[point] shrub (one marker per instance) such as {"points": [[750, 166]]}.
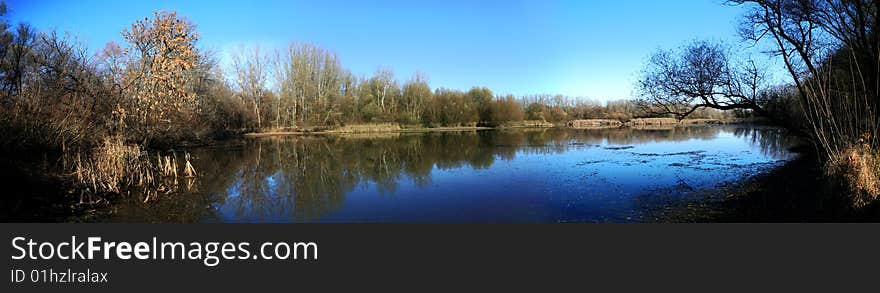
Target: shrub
{"points": [[856, 170]]}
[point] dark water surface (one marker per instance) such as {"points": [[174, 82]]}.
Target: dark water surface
{"points": [[529, 175]]}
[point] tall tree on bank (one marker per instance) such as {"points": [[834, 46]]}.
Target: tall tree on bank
{"points": [[250, 69], [416, 92], [311, 85], [156, 89]]}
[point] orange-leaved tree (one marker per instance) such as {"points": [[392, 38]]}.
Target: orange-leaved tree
{"points": [[158, 100]]}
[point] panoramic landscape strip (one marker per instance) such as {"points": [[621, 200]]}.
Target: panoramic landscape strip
{"points": [[154, 127]]}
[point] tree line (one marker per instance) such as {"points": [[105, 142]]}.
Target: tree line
{"points": [[158, 89], [310, 87]]}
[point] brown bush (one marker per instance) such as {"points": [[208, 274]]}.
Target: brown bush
{"points": [[856, 170]]}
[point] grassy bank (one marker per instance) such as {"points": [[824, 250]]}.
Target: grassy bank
{"points": [[581, 123], [386, 128], [651, 122]]}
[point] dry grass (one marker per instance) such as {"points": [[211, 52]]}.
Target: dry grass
{"points": [[368, 128], [528, 124], [118, 168], [652, 121], [376, 128], [700, 121], [369, 135], [592, 123], [857, 169], [654, 126], [642, 122]]}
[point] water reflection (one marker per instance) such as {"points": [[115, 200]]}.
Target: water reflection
{"points": [[535, 175]]}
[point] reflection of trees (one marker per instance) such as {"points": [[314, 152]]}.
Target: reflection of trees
{"points": [[306, 178], [629, 135], [773, 142]]}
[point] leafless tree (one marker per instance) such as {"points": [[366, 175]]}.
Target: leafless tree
{"points": [[700, 75], [250, 71]]}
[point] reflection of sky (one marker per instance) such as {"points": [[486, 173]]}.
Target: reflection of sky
{"points": [[583, 183], [234, 190], [234, 202]]}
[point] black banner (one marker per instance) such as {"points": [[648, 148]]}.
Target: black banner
{"points": [[703, 258]]}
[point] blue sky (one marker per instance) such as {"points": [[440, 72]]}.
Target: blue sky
{"points": [[584, 48]]}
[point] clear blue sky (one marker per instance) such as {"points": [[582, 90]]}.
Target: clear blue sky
{"points": [[578, 48]]}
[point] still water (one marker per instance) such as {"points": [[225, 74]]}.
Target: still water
{"points": [[526, 175]]}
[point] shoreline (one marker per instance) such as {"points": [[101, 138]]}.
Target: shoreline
{"points": [[388, 128], [795, 192], [400, 130]]}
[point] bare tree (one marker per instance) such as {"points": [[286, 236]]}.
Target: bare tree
{"points": [[286, 97], [312, 79], [700, 75], [415, 93], [381, 84], [250, 75]]}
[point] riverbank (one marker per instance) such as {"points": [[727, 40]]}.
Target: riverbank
{"points": [[391, 128], [338, 131], [577, 124], [794, 192], [652, 122]]}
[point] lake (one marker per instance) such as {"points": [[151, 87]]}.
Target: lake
{"points": [[516, 175]]}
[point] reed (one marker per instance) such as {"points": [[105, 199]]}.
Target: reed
{"points": [[117, 168]]}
